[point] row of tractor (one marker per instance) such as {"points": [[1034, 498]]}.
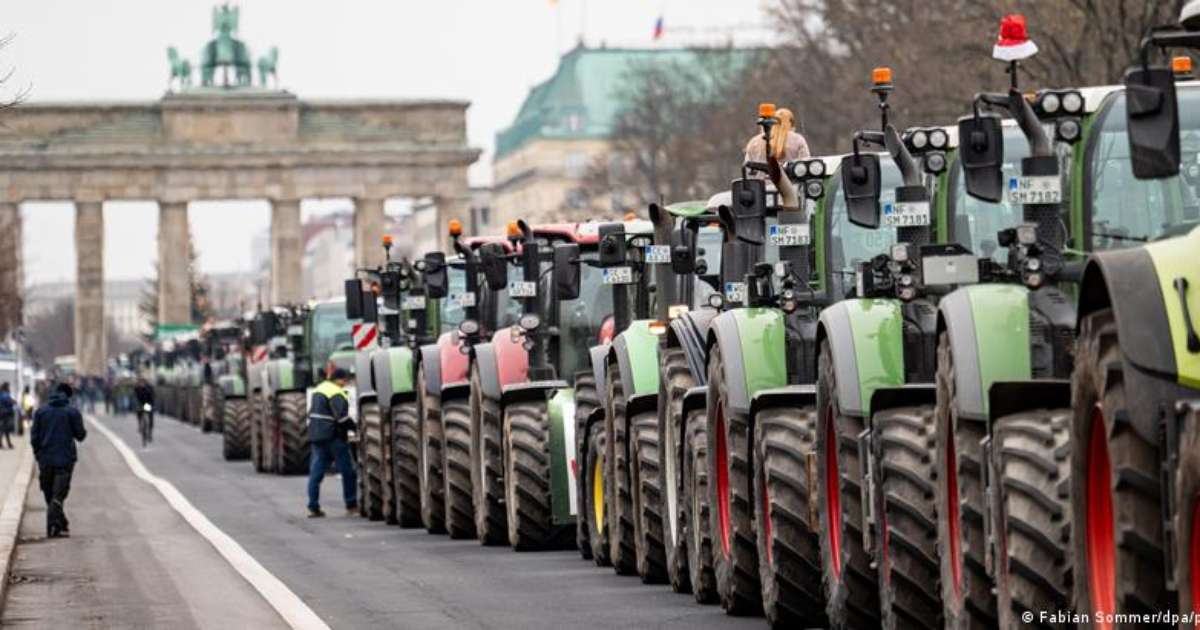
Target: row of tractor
{"points": [[949, 379]]}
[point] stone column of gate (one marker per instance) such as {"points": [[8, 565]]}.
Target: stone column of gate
{"points": [[368, 232], [10, 267], [91, 343], [174, 257], [287, 252]]}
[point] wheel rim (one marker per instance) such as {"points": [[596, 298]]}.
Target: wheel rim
{"points": [[954, 524], [598, 494], [1194, 561], [1101, 553], [671, 466], [833, 496], [722, 479]]}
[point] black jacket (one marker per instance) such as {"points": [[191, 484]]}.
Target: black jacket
{"points": [[56, 427], [143, 393]]}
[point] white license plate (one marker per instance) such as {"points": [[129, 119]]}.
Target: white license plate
{"points": [[789, 234], [735, 292], [906, 214], [618, 275], [1035, 189], [522, 289], [464, 300], [658, 254], [412, 302]]}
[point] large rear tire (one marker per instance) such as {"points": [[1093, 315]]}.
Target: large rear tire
{"points": [[487, 465], [1031, 515], [235, 429], [258, 435], [597, 496], [622, 549], [674, 379], [406, 475], [735, 553], [849, 575], [527, 477], [1187, 514], [967, 599], [211, 403], [370, 461], [456, 467], [789, 552], [433, 484], [293, 432], [586, 401], [903, 446], [695, 527], [1116, 494], [647, 499]]}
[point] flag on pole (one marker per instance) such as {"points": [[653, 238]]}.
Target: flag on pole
{"points": [[658, 28]]}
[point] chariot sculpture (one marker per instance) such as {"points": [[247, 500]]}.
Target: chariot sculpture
{"points": [[225, 60]]}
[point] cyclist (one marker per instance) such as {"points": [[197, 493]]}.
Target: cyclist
{"points": [[143, 394]]}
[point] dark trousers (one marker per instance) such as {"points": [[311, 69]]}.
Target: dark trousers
{"points": [[56, 484], [323, 453]]}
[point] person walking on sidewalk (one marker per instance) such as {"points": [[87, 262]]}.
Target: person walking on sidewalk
{"points": [[329, 427], [8, 416], [56, 428]]}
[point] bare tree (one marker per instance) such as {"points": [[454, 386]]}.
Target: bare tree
{"points": [[201, 305]]}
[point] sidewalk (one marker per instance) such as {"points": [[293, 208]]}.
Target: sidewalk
{"points": [[16, 473]]}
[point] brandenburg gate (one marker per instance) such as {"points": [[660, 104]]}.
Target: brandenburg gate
{"points": [[225, 142]]}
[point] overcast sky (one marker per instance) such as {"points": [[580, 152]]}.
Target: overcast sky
{"points": [[487, 51]]}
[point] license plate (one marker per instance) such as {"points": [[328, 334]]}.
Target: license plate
{"points": [[658, 254], [788, 235], [618, 275], [735, 292], [413, 302], [1035, 189], [906, 214], [522, 289], [464, 300]]}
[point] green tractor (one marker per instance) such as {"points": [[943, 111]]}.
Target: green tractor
{"points": [[303, 342], [522, 411], [225, 408]]}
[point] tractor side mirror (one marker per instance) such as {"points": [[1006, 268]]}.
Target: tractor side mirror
{"points": [[437, 280], [682, 262], [1152, 121], [566, 271], [354, 299], [612, 245], [370, 307], [861, 183], [495, 268], [981, 147]]}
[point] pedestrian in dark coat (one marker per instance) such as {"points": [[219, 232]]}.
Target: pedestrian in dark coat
{"points": [[329, 424], [8, 415], [56, 428]]}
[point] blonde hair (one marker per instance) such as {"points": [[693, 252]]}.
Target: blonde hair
{"points": [[779, 133]]}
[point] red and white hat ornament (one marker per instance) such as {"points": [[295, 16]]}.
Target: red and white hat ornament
{"points": [[1013, 44]]}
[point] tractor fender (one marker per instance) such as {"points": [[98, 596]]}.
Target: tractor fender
{"points": [[988, 329], [512, 360], [1008, 397], [689, 332], [636, 352], [364, 380], [1143, 308], [461, 389], [695, 399], [431, 368], [484, 358], [752, 342], [563, 454], [535, 390], [599, 357], [232, 385], [911, 395], [866, 341], [454, 364], [392, 374], [280, 376], [788, 396]]}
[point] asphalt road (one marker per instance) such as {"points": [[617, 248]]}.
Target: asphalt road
{"points": [[354, 573]]}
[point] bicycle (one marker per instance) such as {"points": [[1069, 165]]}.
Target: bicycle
{"points": [[146, 424]]}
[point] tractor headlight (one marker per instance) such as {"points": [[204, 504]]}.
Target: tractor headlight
{"points": [[900, 252], [935, 162], [814, 189], [919, 140], [907, 294], [906, 280], [1027, 234], [1072, 102], [799, 170], [716, 300], [816, 168], [1050, 103], [1033, 264], [529, 322], [1068, 130], [468, 327], [938, 138]]}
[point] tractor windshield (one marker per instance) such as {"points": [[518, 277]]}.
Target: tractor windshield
{"points": [[330, 331], [580, 319], [452, 312], [977, 222], [1126, 211], [850, 244]]}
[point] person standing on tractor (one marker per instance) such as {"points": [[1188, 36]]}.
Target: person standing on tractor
{"points": [[56, 428], [329, 426], [787, 144], [8, 416]]}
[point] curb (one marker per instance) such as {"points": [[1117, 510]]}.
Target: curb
{"points": [[10, 517]]}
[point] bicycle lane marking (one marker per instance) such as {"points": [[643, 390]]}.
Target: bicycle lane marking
{"points": [[294, 611]]}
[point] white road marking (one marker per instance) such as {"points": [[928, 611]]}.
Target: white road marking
{"points": [[294, 611], [13, 509]]}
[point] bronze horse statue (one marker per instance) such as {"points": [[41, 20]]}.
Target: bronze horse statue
{"points": [[266, 67], [181, 69], [225, 51]]}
